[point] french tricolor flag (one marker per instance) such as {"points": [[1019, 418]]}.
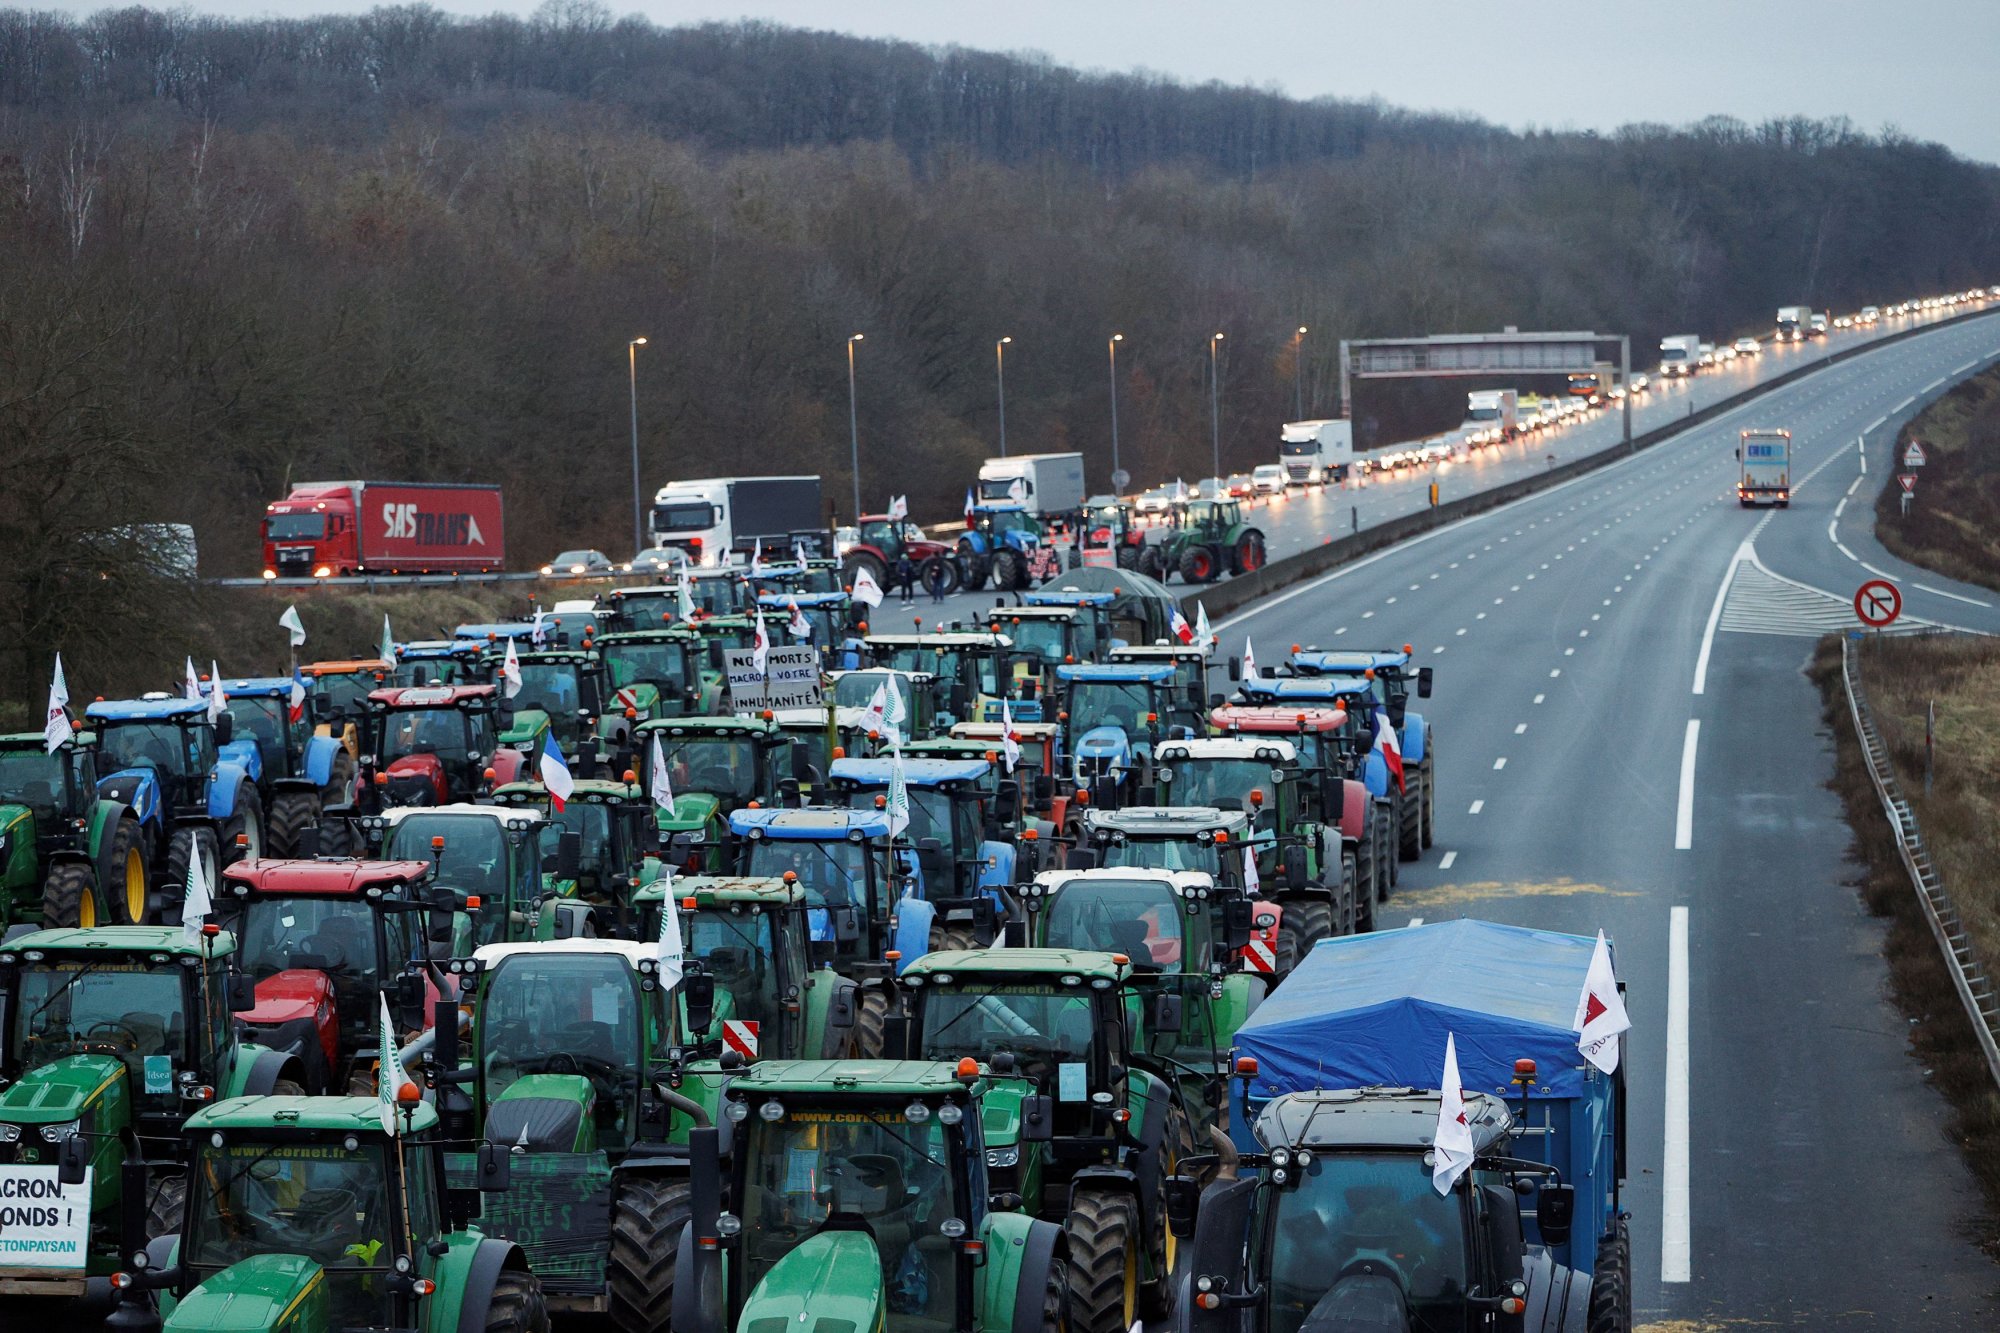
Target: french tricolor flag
{"points": [[555, 774], [1178, 625], [297, 710]]}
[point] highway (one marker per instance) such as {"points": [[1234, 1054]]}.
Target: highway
{"points": [[1623, 744]]}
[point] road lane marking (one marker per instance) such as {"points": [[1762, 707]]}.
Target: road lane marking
{"points": [[1520, 727], [1684, 810], [1540, 697], [1416, 921], [1954, 596], [1853, 487], [1557, 672], [1477, 806], [1500, 763], [1676, 1246], [1715, 615]]}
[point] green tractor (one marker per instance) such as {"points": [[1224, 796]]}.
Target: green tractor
{"points": [[115, 1036], [309, 1216], [562, 691], [505, 867], [610, 830], [858, 1198], [1209, 539], [1078, 1128], [658, 673], [716, 766], [969, 671], [575, 1049], [68, 856]]}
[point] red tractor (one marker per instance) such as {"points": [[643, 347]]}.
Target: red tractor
{"points": [[433, 744], [881, 541]]}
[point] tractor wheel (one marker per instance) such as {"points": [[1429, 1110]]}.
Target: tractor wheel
{"points": [[1385, 849], [927, 574], [361, 1083], [1348, 921], [1055, 1296], [1010, 572], [1152, 564], [1198, 564], [1611, 1284], [1075, 560], [292, 812], [246, 823], [1285, 950], [1429, 770], [166, 1207], [1156, 1299], [1410, 820], [647, 1216], [339, 788], [871, 1019], [945, 936], [1307, 921], [518, 1305], [182, 848], [1248, 557], [126, 894], [1130, 557], [972, 568], [1104, 1259]]}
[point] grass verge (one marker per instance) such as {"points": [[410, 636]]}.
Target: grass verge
{"points": [[1954, 522]]}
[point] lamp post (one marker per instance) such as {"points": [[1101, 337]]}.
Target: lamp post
{"points": [[1298, 373], [1215, 402], [632, 367], [1116, 338], [1000, 370], [853, 427]]}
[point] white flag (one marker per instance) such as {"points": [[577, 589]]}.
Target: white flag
{"points": [[56, 731], [760, 647], [1451, 1144], [1010, 742], [800, 627], [1600, 1011], [388, 653], [875, 717], [894, 712], [660, 780], [1203, 635], [290, 621], [684, 598], [866, 590], [1251, 881], [668, 949], [196, 902], [191, 685], [1017, 491], [757, 560], [538, 632], [899, 508], [899, 797], [218, 702], [389, 1076], [510, 671], [1249, 660]]}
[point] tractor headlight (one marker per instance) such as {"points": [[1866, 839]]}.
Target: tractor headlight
{"points": [[950, 1114], [916, 1113], [728, 1224], [58, 1133], [10, 1133], [998, 1157], [737, 1112], [773, 1111]]}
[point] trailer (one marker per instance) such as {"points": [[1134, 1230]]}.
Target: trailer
{"points": [[1045, 485], [330, 529], [716, 521], [1766, 460], [1316, 452]]}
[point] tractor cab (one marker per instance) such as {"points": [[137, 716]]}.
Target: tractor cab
{"points": [[616, 842], [830, 623], [297, 773], [803, 578], [720, 633], [562, 692], [1189, 661], [969, 672], [1046, 637], [323, 942], [435, 662], [859, 900], [1351, 696], [1035, 771], [651, 607], [820, 736], [337, 696], [652, 673], [1258, 775], [160, 756], [505, 867], [914, 691], [1391, 677], [432, 745], [1109, 537], [1112, 718], [1315, 734], [69, 856], [732, 761], [962, 869]]}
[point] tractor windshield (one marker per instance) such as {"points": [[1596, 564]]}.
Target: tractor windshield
{"points": [[347, 692], [333, 935], [857, 688], [553, 688], [474, 857], [319, 1200], [1139, 918], [264, 719], [166, 747], [663, 664], [564, 1014], [1381, 1210], [136, 1013], [871, 1169], [35, 779], [834, 874], [882, 535], [452, 734], [1042, 1026], [443, 669], [737, 947], [1013, 520], [1188, 853], [591, 822], [1099, 703], [722, 766], [651, 609], [1223, 783], [720, 596], [1048, 640]]}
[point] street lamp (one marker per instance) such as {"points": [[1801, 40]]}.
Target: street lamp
{"points": [[853, 428], [632, 366], [1215, 402], [1000, 369], [1116, 338], [1298, 373]]}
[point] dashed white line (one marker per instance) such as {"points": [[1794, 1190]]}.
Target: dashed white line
{"points": [[1520, 727], [1500, 763], [1540, 697], [1444, 862], [1477, 806]]}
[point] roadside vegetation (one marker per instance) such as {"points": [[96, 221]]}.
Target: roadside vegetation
{"points": [[1954, 524], [1960, 820]]}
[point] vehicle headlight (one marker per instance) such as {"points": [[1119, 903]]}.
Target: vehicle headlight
{"points": [[57, 1133], [10, 1133], [1003, 1156]]}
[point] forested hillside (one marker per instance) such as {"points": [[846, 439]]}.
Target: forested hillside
{"points": [[404, 245]]}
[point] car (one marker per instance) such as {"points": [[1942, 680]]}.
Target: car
{"points": [[1747, 347], [658, 560], [579, 562], [1241, 485], [1211, 488], [1269, 478], [1641, 383]]}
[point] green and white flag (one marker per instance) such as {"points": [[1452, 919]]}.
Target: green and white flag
{"points": [[683, 598], [196, 902], [668, 949], [390, 1076], [290, 622], [899, 796], [388, 652]]}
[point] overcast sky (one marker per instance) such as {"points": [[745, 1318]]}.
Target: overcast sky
{"points": [[1929, 67]]}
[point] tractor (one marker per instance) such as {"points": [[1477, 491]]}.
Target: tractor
{"points": [[510, 870], [298, 774], [832, 625], [617, 845], [969, 672], [655, 673], [159, 756], [116, 1036], [1001, 542], [858, 1192], [882, 541], [1078, 1128], [820, 736], [1113, 717], [1189, 661], [722, 764], [1391, 681], [435, 744], [1129, 611], [434, 662], [68, 855], [321, 942], [562, 692], [1046, 637], [804, 577], [914, 691], [337, 696], [1109, 538], [309, 1215], [1209, 539]]}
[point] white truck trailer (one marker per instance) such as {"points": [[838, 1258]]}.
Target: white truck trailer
{"points": [[1316, 452], [1766, 459]]}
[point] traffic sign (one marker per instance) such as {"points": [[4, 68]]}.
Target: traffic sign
{"points": [[1120, 480], [1908, 480], [1913, 456], [1878, 602]]}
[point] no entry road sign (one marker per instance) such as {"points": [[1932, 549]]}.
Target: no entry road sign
{"points": [[1878, 602]]}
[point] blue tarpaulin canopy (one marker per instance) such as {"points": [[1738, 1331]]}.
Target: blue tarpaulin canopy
{"points": [[1374, 1009]]}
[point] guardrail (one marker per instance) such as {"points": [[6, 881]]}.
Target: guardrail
{"points": [[1968, 975]]}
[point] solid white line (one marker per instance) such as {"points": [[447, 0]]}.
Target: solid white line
{"points": [[1444, 863], [1973, 601], [1684, 811], [1477, 806], [1714, 616], [1878, 573], [1849, 554], [1676, 1244]]}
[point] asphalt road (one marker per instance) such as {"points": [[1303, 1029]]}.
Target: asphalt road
{"points": [[1788, 1163]]}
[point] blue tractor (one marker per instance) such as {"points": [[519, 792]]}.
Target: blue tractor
{"points": [[298, 774], [1111, 718], [830, 624], [1000, 542], [160, 756], [964, 869]]}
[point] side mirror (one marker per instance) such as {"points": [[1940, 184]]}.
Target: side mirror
{"points": [[306, 847], [1236, 668], [589, 699], [504, 715], [1295, 867], [72, 1160], [1080, 858], [319, 708], [698, 999], [1423, 682], [1235, 924], [242, 993], [225, 728], [569, 854], [1182, 1197], [846, 925], [1555, 1210], [1166, 1015], [1038, 1119], [1217, 700], [1045, 788], [496, 1168]]}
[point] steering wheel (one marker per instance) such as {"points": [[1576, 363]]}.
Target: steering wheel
{"points": [[117, 1029], [317, 1212], [712, 778]]}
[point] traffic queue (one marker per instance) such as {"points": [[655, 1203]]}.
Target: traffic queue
{"points": [[701, 957]]}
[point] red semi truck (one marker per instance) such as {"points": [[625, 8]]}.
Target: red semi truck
{"points": [[326, 529]]}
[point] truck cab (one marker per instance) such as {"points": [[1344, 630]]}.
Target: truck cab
{"points": [[1317, 452]]}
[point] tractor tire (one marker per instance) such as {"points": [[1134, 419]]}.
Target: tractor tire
{"points": [[339, 788], [1152, 564], [1348, 920], [871, 1020], [247, 822], [361, 1082], [1055, 1296], [1611, 1284], [1198, 565], [1010, 571], [292, 812], [1130, 557], [1104, 1258], [928, 572], [1307, 921], [1429, 770], [183, 847], [972, 568], [127, 896], [1075, 560], [1284, 951], [1248, 557], [1410, 820], [166, 1207], [1385, 851], [945, 936], [518, 1305], [647, 1216], [859, 561], [1156, 1297]]}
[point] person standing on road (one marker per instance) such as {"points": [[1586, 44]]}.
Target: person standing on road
{"points": [[934, 576], [904, 578]]}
